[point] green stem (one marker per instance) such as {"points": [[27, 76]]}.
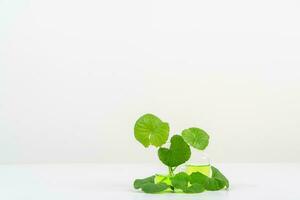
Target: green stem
{"points": [[171, 171], [174, 169], [171, 174]]}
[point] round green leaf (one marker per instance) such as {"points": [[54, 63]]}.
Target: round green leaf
{"points": [[180, 181], [218, 181], [215, 184], [139, 182], [178, 153], [154, 188], [197, 177], [149, 129], [195, 188], [196, 137]]}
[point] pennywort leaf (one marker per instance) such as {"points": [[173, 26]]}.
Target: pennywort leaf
{"points": [[150, 130], [195, 188], [218, 181], [154, 188], [198, 183], [180, 181], [215, 184], [148, 185], [138, 183], [178, 153], [199, 178], [196, 137], [194, 183]]}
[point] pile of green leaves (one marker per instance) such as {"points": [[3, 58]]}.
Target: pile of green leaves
{"points": [[150, 130]]}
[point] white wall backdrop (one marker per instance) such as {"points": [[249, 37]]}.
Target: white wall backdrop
{"points": [[75, 75]]}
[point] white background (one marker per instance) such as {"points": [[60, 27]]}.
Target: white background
{"points": [[75, 75]]}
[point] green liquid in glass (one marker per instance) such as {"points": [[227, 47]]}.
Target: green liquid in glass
{"points": [[162, 179], [204, 169]]}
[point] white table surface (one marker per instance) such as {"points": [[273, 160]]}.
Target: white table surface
{"points": [[98, 181]]}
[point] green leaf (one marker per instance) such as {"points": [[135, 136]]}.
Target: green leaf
{"points": [[178, 153], [138, 183], [180, 181], [199, 178], [198, 182], [154, 188], [196, 137], [149, 129], [218, 181], [219, 176], [195, 188], [215, 184]]}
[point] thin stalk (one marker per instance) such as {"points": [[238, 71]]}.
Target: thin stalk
{"points": [[171, 174], [171, 171]]}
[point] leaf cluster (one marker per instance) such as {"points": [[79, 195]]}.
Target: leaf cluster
{"points": [[182, 182], [150, 130]]}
